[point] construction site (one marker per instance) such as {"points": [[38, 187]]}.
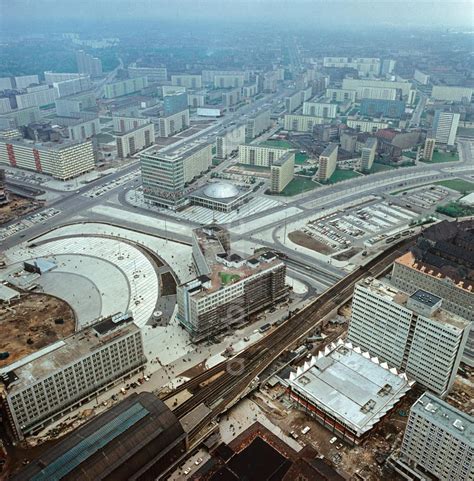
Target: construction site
{"points": [[30, 322]]}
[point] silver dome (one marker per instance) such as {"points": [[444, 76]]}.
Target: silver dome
{"points": [[221, 190]]}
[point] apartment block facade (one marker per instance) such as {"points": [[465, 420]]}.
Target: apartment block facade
{"points": [[327, 162], [132, 141]]}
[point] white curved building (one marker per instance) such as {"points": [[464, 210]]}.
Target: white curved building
{"points": [[221, 196]]}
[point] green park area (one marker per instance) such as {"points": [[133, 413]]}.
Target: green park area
{"points": [[339, 175], [228, 278], [462, 186], [440, 157], [299, 185], [454, 209], [376, 167], [301, 158]]}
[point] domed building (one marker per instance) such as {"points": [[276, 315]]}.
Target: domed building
{"points": [[221, 196]]}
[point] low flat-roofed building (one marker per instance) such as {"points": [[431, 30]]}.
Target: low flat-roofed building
{"points": [[221, 196], [40, 388], [438, 443], [138, 438], [347, 390]]}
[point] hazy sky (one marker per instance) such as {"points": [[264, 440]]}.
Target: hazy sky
{"points": [[328, 12]]}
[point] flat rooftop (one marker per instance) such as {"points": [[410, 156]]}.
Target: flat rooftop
{"points": [[439, 412], [401, 298], [350, 386], [286, 156], [329, 150], [36, 366], [181, 151]]}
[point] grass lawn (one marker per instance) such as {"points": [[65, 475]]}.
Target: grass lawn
{"points": [[457, 184], [376, 167], [254, 168], [340, 175], [214, 150], [439, 157], [282, 144], [227, 278], [299, 185], [410, 154], [301, 158], [215, 161], [453, 209]]}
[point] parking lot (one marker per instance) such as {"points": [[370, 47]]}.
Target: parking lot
{"points": [[28, 222], [424, 197]]}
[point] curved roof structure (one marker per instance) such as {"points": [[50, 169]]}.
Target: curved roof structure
{"points": [[221, 190]]}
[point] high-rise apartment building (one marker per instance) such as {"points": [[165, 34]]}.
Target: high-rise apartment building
{"points": [[52, 77], [81, 129], [384, 87], [125, 87], [19, 117], [232, 97], [452, 94], [282, 172], [438, 443], [228, 140], [364, 66], [296, 100], [322, 108], [165, 175], [327, 162], [258, 124], [174, 123], [24, 81], [228, 288], [154, 74], [176, 102], [225, 81], [72, 86], [39, 98], [341, 95], [411, 332], [367, 154], [132, 141], [60, 160], [382, 108], [39, 389], [73, 105], [445, 127], [88, 64], [302, 123], [188, 81], [428, 149], [261, 156]]}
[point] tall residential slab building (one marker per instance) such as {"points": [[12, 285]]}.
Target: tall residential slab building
{"points": [[367, 154], [258, 124], [428, 149], [327, 162], [282, 172], [411, 332], [445, 127], [438, 443], [228, 140], [260, 155], [88, 64]]}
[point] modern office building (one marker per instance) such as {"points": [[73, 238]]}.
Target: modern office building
{"points": [[428, 149], [165, 175], [367, 154], [452, 94], [321, 108], [72, 86], [60, 160], [341, 95], [347, 390], [258, 124], [302, 123], [138, 438], [327, 163], [438, 443], [132, 141], [445, 127], [174, 123], [88, 64], [39, 98], [282, 172], [24, 81], [44, 386], [227, 80], [75, 104], [411, 332], [228, 140], [261, 156], [125, 87], [176, 102], [228, 288], [440, 264], [364, 66], [188, 81], [382, 108], [154, 74], [19, 117]]}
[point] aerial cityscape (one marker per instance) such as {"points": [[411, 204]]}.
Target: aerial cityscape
{"points": [[236, 240]]}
